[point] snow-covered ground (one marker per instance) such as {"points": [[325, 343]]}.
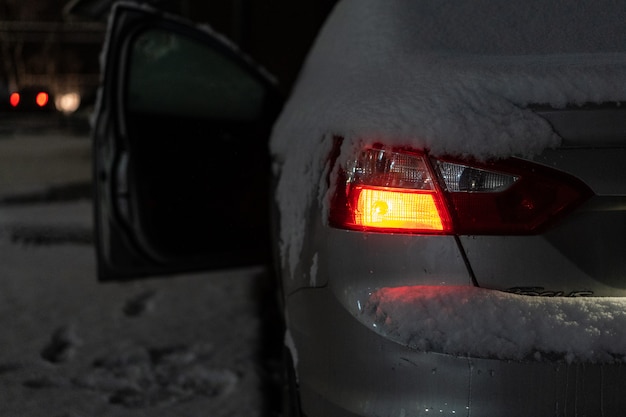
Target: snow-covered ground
{"points": [[71, 347]]}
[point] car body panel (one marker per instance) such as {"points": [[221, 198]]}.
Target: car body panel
{"points": [[588, 126], [357, 371], [357, 261], [583, 254], [556, 262]]}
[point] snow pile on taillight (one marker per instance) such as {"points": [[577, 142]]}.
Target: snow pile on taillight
{"points": [[476, 322], [451, 77]]}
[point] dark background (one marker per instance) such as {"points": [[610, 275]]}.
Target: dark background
{"points": [[56, 44]]}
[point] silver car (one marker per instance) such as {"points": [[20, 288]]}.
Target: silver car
{"points": [[447, 207]]}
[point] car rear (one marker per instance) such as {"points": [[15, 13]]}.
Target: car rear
{"points": [[451, 203], [31, 99], [426, 313]]}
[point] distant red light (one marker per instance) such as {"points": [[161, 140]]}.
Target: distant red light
{"points": [[41, 99], [14, 99]]}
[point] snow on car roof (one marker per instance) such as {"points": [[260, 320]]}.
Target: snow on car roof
{"points": [[452, 77]]}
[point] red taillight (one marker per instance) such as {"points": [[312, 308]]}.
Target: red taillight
{"points": [[409, 192], [14, 99], [537, 198], [393, 209], [390, 191]]}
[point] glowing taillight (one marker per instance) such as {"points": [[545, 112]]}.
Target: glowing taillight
{"points": [[393, 209], [390, 191], [14, 99], [41, 99], [409, 192]]}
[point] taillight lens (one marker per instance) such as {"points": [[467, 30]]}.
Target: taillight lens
{"points": [[404, 191], [390, 191], [14, 99]]}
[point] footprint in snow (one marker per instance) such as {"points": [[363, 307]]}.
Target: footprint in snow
{"points": [[139, 304], [8, 367], [62, 346], [139, 377]]}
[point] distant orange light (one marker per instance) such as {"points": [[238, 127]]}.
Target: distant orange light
{"points": [[394, 209], [41, 99], [14, 99]]}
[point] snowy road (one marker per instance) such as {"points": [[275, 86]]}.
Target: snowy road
{"points": [[70, 347]]}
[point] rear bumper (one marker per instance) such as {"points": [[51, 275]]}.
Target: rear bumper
{"points": [[347, 369]]}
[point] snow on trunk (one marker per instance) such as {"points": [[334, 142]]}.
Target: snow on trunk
{"points": [[449, 77], [492, 324]]}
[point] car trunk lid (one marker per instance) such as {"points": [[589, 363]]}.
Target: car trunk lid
{"points": [[583, 254]]}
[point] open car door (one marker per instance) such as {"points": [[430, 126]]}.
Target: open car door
{"points": [[181, 165]]}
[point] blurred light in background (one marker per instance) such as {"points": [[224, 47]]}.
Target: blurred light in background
{"points": [[14, 99], [67, 103], [41, 99]]}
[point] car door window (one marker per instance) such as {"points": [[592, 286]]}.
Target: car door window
{"points": [[182, 161], [198, 168], [174, 74]]}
